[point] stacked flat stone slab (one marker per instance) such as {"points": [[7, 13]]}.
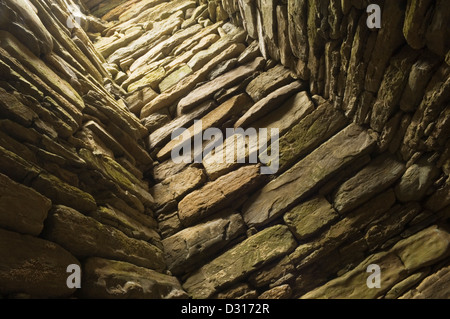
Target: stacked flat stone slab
{"points": [[88, 107]]}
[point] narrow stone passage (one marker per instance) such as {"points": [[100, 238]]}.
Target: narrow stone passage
{"points": [[91, 92]]}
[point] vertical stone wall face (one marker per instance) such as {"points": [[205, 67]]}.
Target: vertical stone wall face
{"points": [[91, 91]]}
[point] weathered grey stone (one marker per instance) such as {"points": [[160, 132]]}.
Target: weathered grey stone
{"points": [[390, 224], [268, 104], [156, 120], [420, 75], [12, 108], [146, 40], [174, 77], [312, 130], [240, 261], [119, 175], [196, 244], [238, 291], [286, 56], [36, 65], [289, 113], [417, 18], [226, 80], [289, 188], [108, 45], [283, 118], [435, 286], [217, 194], [167, 169], [21, 19], [268, 81], [222, 68], [440, 198], [391, 89], [215, 118], [24, 216], [273, 274], [86, 237], [106, 138], [178, 185], [34, 266], [279, 292], [405, 284], [437, 91], [188, 83], [201, 58], [415, 182], [166, 46], [353, 284], [135, 226], [250, 53], [437, 35], [389, 39], [151, 79], [298, 34], [162, 134], [310, 217], [424, 248], [62, 193], [169, 224], [372, 179], [110, 279], [249, 12]]}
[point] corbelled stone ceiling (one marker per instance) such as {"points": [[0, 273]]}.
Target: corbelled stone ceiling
{"points": [[93, 91]]}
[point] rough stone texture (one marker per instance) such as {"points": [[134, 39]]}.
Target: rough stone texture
{"points": [[26, 217], [415, 182], [268, 81], [33, 266], [283, 118], [215, 118], [395, 265], [416, 20], [134, 225], [267, 104], [314, 129], [110, 279], [195, 244], [214, 195], [294, 184], [162, 134], [404, 285], [423, 248], [372, 179], [207, 90], [241, 260], [174, 187], [188, 83], [174, 77], [85, 237], [307, 218], [280, 292], [435, 286], [70, 131]]}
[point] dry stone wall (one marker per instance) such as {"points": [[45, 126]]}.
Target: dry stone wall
{"points": [[91, 91]]}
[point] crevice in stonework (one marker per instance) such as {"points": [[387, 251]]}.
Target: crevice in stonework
{"points": [[91, 91]]}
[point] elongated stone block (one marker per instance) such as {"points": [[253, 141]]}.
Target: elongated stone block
{"points": [[300, 180]]}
